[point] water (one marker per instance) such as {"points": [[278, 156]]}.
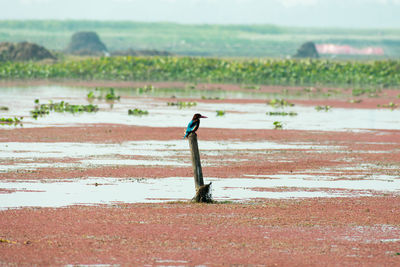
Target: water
{"points": [[94, 190], [144, 153], [16, 156], [239, 116]]}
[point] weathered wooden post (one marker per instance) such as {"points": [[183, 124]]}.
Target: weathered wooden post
{"points": [[203, 193]]}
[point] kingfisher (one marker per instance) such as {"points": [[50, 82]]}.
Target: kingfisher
{"points": [[193, 124]]}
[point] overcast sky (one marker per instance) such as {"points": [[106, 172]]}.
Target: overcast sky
{"points": [[321, 13]]}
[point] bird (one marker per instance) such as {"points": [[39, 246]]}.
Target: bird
{"points": [[193, 124]]}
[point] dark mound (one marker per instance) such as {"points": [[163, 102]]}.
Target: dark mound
{"points": [[131, 52], [86, 43], [307, 50], [23, 52]]}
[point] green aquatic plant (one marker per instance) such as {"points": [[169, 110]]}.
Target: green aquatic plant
{"points": [[370, 92], [305, 72], [355, 101], [44, 109], [111, 96], [145, 89], [181, 104], [4, 108], [220, 113], [277, 125], [191, 86], [14, 120], [91, 95], [137, 112], [282, 113], [391, 105], [323, 108], [279, 103], [210, 98], [251, 87]]}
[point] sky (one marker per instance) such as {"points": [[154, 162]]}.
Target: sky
{"points": [[303, 13]]}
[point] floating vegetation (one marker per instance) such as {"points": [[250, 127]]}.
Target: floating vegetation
{"points": [[44, 109], [91, 95], [220, 112], [4, 108], [370, 92], [323, 108], [111, 96], [311, 90], [278, 125], [282, 113], [210, 98], [145, 89], [391, 105], [137, 112], [279, 103], [355, 101], [191, 86], [181, 104], [252, 87], [8, 121]]}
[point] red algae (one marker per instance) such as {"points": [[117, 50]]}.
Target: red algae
{"points": [[282, 232]]}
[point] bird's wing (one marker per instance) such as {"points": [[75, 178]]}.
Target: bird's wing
{"points": [[196, 126], [192, 124], [189, 128]]}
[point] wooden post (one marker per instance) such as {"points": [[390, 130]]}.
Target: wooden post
{"points": [[196, 164], [203, 193]]}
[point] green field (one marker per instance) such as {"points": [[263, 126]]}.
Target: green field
{"points": [[200, 40]]}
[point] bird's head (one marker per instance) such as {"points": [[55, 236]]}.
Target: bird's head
{"points": [[197, 116]]}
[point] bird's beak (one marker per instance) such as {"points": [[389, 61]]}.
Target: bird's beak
{"points": [[204, 117]]}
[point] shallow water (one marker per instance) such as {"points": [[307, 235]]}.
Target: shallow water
{"points": [[239, 116], [150, 153], [92, 191], [15, 156]]}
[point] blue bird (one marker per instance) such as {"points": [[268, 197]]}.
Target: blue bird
{"points": [[193, 124]]}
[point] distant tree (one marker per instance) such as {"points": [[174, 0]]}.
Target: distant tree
{"points": [[307, 50], [86, 43]]}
